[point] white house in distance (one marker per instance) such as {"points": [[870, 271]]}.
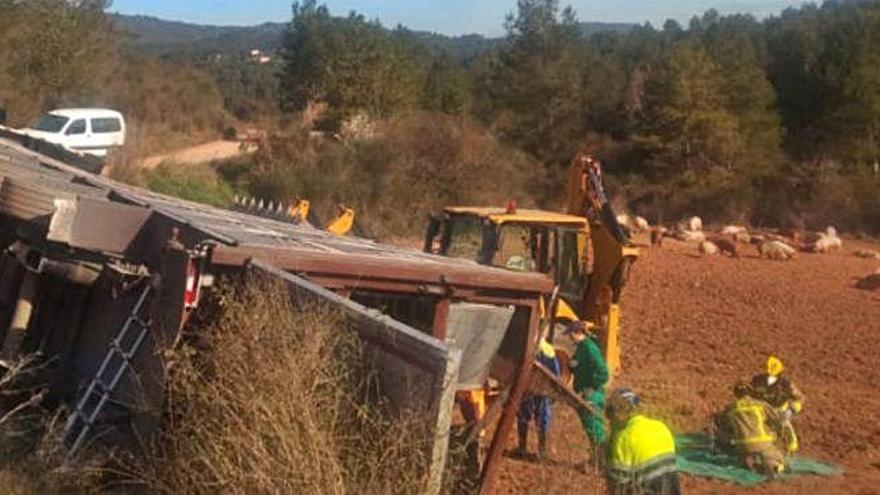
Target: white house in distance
{"points": [[260, 56]]}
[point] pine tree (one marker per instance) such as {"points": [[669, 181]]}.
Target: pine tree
{"points": [[533, 86], [851, 76], [447, 87], [348, 63], [733, 42], [71, 48], [685, 112]]}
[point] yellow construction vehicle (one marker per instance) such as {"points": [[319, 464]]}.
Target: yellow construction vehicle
{"points": [[587, 254], [343, 224]]}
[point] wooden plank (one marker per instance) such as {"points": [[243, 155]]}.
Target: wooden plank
{"points": [[545, 383], [443, 422]]}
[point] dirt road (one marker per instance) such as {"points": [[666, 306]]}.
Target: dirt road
{"points": [[215, 150], [693, 326]]}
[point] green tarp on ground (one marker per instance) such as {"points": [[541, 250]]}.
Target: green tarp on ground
{"points": [[696, 457]]}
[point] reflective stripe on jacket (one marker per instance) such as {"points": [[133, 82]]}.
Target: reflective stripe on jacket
{"points": [[750, 422], [642, 451]]}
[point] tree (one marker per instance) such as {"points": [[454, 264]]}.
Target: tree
{"points": [[71, 48], [348, 63], [795, 46], [733, 43], [533, 87], [7, 21], [685, 113], [851, 79], [447, 87]]}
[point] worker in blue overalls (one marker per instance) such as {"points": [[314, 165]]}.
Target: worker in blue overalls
{"points": [[537, 407]]}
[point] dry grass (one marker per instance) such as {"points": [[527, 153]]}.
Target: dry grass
{"points": [[280, 397], [280, 408], [31, 452]]}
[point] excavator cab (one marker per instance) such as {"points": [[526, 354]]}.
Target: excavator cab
{"points": [[588, 264]]}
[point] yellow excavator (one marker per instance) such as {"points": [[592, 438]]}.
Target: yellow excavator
{"points": [[586, 252], [344, 223]]}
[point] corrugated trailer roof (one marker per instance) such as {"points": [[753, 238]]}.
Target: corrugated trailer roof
{"points": [[239, 236]]}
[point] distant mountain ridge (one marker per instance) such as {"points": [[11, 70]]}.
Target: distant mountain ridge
{"points": [[163, 36]]}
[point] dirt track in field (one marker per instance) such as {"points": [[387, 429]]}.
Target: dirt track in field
{"points": [[693, 326], [206, 152]]}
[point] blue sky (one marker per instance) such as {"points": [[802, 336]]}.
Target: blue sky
{"points": [[445, 16]]}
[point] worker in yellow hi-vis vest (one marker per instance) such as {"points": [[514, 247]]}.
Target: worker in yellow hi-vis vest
{"points": [[641, 451]]}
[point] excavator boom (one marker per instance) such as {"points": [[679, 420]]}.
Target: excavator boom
{"points": [[611, 252]]}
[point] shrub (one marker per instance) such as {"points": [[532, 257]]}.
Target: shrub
{"points": [[198, 183], [417, 164], [280, 403]]}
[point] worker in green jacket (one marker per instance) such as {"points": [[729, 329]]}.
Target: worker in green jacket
{"points": [[590, 377], [641, 451]]}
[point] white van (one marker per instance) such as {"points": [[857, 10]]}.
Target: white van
{"points": [[87, 130]]}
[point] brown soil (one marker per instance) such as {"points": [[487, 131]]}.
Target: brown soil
{"points": [[692, 326]]}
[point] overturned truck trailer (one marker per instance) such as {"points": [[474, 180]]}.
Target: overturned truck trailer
{"points": [[98, 279]]}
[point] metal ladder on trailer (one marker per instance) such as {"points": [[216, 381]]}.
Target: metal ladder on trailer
{"points": [[116, 362]]}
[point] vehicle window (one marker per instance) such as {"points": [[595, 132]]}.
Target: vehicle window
{"points": [[516, 249], [570, 276], [51, 123], [100, 126], [76, 127], [467, 237]]}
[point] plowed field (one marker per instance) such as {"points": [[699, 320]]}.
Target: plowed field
{"points": [[692, 326]]}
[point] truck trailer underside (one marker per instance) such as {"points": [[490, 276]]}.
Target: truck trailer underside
{"points": [[98, 279]]}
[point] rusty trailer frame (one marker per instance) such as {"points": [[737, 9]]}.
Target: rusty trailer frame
{"points": [[74, 243]]}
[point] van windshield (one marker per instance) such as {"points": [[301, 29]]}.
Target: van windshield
{"points": [[51, 123]]}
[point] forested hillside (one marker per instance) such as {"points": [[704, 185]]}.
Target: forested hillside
{"points": [[770, 121], [56, 53], [163, 36]]}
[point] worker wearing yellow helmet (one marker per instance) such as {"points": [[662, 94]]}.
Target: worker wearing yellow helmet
{"points": [[774, 387], [747, 429]]}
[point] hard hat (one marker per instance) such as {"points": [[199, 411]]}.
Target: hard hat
{"points": [[774, 366]]}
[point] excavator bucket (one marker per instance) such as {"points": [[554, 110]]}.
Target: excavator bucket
{"points": [[342, 224]]}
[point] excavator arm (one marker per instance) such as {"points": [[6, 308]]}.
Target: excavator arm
{"points": [[611, 252]]}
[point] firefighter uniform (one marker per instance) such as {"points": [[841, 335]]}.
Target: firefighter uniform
{"points": [[641, 458], [777, 390], [537, 407], [748, 426], [590, 377]]}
